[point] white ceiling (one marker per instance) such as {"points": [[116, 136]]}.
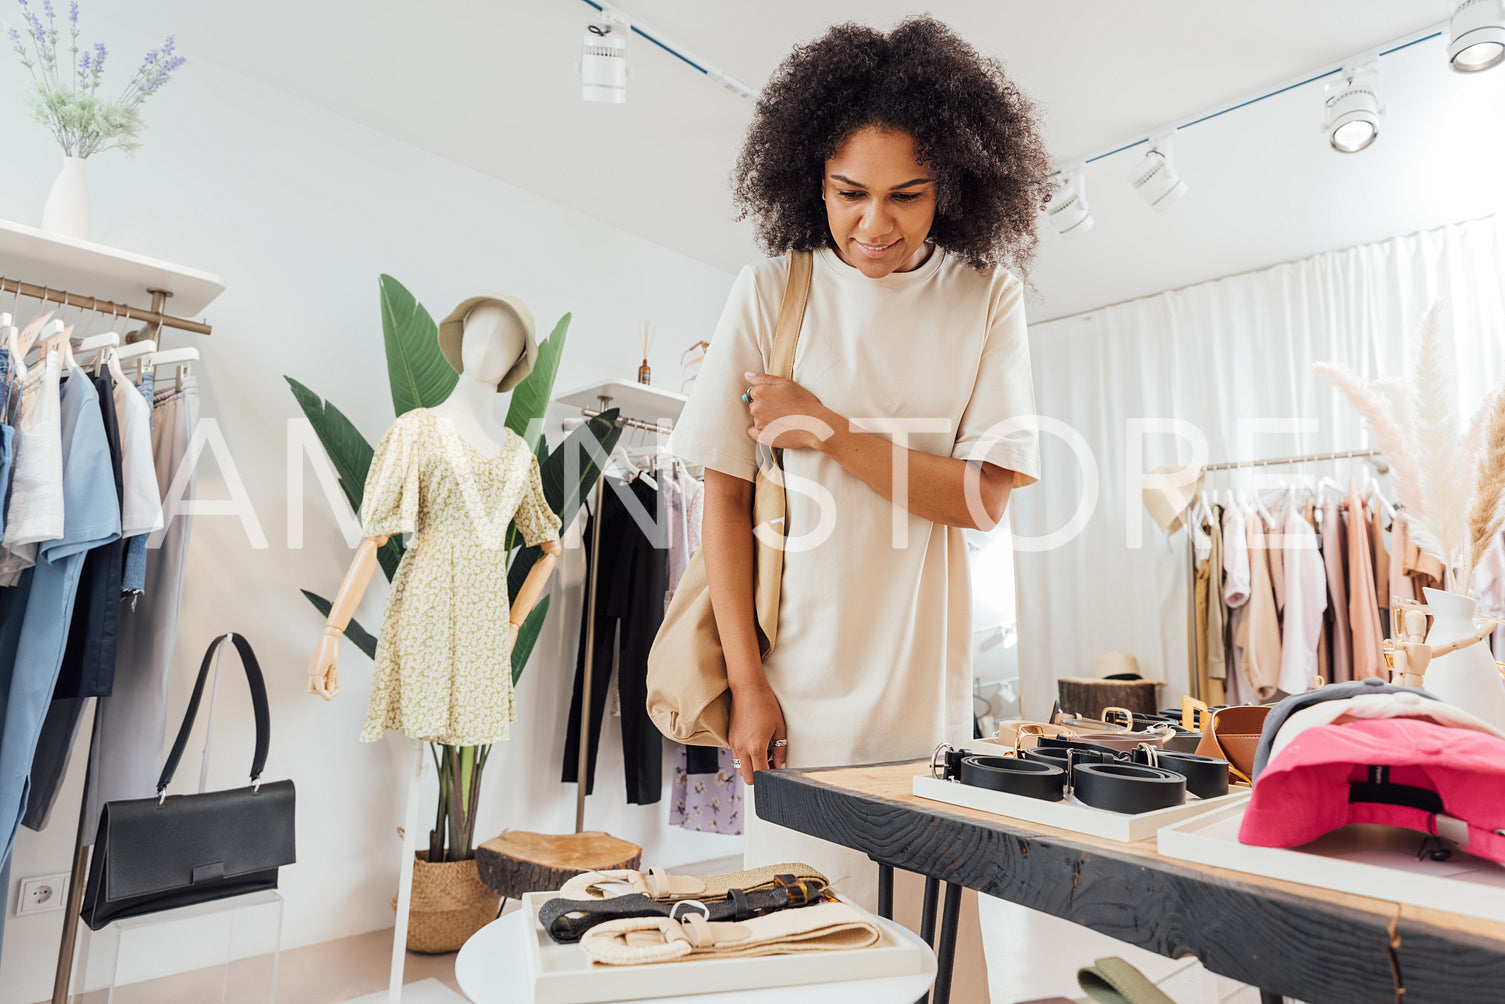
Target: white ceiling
{"points": [[493, 85]]}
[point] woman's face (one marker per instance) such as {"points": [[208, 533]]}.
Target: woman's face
{"points": [[879, 202]]}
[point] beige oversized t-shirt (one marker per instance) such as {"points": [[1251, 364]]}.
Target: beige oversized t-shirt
{"points": [[873, 659]]}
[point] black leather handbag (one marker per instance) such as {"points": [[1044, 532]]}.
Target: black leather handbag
{"points": [[158, 853]]}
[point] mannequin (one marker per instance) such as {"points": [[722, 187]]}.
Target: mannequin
{"points": [[494, 350], [492, 344]]}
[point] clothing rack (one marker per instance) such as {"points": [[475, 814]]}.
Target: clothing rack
{"points": [[604, 401], [1374, 456], [155, 317]]}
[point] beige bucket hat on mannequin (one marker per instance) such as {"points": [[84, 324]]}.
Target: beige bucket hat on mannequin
{"points": [[452, 328]]}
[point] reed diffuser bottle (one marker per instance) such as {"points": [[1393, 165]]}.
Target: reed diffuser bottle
{"points": [[645, 373]]}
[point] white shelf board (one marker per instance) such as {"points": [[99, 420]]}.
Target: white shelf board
{"points": [[88, 269], [640, 401]]}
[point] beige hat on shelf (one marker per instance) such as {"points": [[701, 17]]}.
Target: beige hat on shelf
{"points": [[1168, 492], [452, 328], [1117, 665]]}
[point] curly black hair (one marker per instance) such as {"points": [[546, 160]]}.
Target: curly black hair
{"points": [[971, 124]]}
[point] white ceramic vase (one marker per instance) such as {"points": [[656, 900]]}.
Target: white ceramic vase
{"points": [[67, 209], [1466, 678]]}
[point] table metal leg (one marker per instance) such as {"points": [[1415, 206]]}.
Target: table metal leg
{"points": [[886, 891], [946, 948], [927, 913]]}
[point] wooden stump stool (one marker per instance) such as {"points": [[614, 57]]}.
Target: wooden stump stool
{"points": [[1088, 696], [517, 861]]}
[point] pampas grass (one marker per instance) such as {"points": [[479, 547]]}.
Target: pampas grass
{"points": [[1486, 505], [1377, 404], [1452, 487], [1444, 473]]}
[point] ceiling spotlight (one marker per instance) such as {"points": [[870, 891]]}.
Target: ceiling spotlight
{"points": [[1476, 35], [1353, 107], [1067, 208], [1155, 177], [603, 62]]}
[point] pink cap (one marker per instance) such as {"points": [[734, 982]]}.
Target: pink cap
{"points": [[1304, 792]]}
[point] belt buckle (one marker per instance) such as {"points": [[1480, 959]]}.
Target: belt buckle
{"points": [[938, 763], [1028, 729], [1116, 712], [1151, 753], [697, 904]]}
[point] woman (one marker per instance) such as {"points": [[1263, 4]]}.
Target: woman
{"points": [[914, 170]]}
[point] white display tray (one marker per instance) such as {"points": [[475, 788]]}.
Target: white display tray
{"points": [[562, 974], [1069, 814], [1375, 861]]}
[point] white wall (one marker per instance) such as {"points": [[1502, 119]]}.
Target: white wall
{"points": [[299, 211]]}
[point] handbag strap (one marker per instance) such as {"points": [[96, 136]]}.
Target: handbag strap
{"points": [[786, 331], [258, 705]]}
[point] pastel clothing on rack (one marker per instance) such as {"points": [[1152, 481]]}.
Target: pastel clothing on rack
{"points": [[1335, 561], [1400, 545], [1261, 627], [1306, 599], [130, 725], [1424, 569], [1381, 566], [34, 617], [1363, 615], [1275, 551], [14, 379], [444, 657], [134, 579], [35, 512], [141, 503], [1217, 613], [706, 801], [874, 654], [1201, 583], [1235, 559]]}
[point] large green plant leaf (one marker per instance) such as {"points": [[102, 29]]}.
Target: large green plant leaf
{"points": [[527, 635], [590, 444], [530, 399], [347, 449], [417, 370], [363, 639], [350, 455]]}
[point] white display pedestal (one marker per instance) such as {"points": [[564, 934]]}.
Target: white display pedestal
{"points": [[242, 935]]}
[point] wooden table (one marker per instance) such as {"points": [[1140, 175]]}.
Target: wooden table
{"points": [[1290, 939]]}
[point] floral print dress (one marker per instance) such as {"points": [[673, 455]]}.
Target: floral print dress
{"points": [[444, 657]]}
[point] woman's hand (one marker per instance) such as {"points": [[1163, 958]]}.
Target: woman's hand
{"points": [[772, 398], [757, 720]]}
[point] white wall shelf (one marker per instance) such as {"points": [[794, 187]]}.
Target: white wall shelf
{"points": [[641, 401], [88, 269]]}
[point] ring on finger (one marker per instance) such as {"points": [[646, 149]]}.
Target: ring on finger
{"points": [[737, 763], [779, 743]]}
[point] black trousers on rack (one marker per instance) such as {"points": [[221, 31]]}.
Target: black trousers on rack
{"points": [[629, 607]]}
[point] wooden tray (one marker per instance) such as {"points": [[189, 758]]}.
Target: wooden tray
{"points": [[561, 974], [1362, 859]]}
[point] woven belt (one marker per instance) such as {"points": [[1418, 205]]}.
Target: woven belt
{"points": [[658, 884], [1097, 777], [824, 927], [567, 920]]}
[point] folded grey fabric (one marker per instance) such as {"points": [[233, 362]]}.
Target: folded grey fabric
{"points": [[1332, 692]]}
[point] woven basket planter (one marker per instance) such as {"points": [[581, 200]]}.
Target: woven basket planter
{"points": [[450, 903]]}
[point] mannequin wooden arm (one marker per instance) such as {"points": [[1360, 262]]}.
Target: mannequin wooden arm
{"points": [[323, 668], [532, 588]]}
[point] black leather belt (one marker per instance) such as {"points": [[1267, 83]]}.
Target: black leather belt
{"points": [[567, 920], [1141, 781], [1206, 777]]}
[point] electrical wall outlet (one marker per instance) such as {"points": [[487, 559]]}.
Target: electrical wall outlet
{"points": [[41, 894]]}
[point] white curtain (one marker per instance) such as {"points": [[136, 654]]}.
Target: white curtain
{"points": [[1229, 356]]}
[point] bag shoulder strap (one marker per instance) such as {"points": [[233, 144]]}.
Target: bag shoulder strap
{"points": [[258, 705], [786, 333]]}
